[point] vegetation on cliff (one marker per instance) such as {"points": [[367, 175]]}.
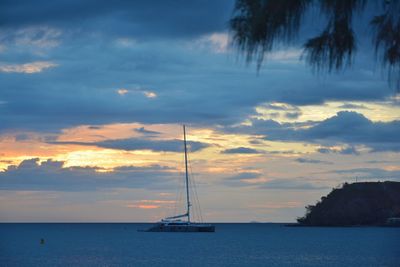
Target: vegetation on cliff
{"points": [[367, 203]]}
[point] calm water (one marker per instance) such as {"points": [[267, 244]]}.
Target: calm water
{"points": [[231, 245]]}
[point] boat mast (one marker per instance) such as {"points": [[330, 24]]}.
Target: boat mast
{"points": [[187, 175]]}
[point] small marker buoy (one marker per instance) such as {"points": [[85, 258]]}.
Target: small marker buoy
{"points": [[42, 241]]}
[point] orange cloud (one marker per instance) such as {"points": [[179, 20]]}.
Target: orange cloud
{"points": [[157, 201], [142, 206], [149, 203]]}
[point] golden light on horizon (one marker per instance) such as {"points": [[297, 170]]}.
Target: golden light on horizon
{"points": [[142, 206], [74, 147]]}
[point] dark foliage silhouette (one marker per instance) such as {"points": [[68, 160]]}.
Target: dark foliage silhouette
{"points": [[370, 203], [259, 26]]}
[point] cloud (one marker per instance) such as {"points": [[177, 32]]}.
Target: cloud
{"points": [[179, 84], [377, 161], [346, 127], [242, 179], [282, 152], [32, 38], [143, 206], [241, 150], [385, 147], [21, 137], [354, 128], [216, 42], [206, 94], [29, 68], [244, 176], [122, 91], [255, 179], [174, 145], [150, 94], [149, 204], [291, 54], [279, 107], [372, 173], [349, 150], [94, 127], [39, 36], [146, 93], [175, 18], [144, 131], [352, 106], [291, 184], [292, 115], [312, 161], [128, 169], [51, 175]]}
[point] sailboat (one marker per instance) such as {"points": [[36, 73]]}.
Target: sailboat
{"points": [[182, 223]]}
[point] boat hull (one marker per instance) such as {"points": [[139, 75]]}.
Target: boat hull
{"points": [[182, 228]]}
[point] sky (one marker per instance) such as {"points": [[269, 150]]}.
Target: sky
{"points": [[93, 96]]}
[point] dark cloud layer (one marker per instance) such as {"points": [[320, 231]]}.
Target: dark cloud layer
{"points": [[146, 19], [350, 150], [241, 150], [345, 127], [163, 47], [144, 131], [192, 84], [140, 144], [51, 175], [312, 161]]}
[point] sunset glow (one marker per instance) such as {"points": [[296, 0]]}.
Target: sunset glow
{"points": [[91, 119]]}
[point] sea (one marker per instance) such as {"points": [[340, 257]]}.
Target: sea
{"points": [[233, 244]]}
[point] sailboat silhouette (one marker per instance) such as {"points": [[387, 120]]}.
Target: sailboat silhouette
{"points": [[175, 223]]}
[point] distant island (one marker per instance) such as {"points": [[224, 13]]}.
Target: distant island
{"points": [[356, 204]]}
